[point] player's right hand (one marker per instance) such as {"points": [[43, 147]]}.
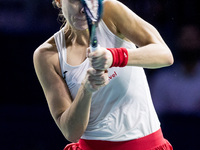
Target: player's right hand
{"points": [[95, 79], [101, 59]]}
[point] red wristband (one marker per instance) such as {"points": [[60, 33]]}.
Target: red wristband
{"points": [[120, 57]]}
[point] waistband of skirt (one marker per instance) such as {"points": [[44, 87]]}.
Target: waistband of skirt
{"points": [[144, 143]]}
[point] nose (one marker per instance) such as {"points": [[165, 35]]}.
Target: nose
{"points": [[82, 10]]}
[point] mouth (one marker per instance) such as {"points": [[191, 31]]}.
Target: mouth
{"points": [[80, 18]]}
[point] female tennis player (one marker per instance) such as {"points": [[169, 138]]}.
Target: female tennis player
{"points": [[101, 100]]}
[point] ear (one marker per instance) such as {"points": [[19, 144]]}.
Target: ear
{"points": [[58, 3]]}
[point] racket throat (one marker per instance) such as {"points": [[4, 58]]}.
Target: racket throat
{"points": [[93, 38]]}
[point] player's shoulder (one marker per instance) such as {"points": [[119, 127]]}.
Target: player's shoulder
{"points": [[114, 10], [112, 15], [111, 5], [46, 53], [46, 48], [111, 2]]}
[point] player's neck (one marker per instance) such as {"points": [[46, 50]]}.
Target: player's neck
{"points": [[76, 36]]}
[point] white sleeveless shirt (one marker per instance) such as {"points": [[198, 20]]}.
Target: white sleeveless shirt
{"points": [[123, 109]]}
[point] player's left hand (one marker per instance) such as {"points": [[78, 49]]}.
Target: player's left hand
{"points": [[101, 59]]}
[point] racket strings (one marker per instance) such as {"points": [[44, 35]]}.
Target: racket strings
{"points": [[93, 6]]}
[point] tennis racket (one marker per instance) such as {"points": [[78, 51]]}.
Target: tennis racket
{"points": [[93, 10]]}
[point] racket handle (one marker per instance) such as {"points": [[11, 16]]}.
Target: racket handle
{"points": [[94, 48]]}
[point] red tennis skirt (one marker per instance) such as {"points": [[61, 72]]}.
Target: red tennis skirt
{"points": [[154, 141]]}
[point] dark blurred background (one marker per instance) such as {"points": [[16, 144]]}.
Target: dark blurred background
{"points": [[25, 121]]}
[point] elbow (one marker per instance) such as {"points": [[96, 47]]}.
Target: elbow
{"points": [[67, 131], [169, 59], [72, 134], [166, 57], [71, 137]]}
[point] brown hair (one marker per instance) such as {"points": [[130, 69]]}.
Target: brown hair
{"points": [[61, 17]]}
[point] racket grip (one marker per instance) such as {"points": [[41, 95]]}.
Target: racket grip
{"points": [[94, 48]]}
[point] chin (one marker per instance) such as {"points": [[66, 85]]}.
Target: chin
{"points": [[81, 27]]}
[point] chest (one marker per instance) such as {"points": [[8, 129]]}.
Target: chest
{"points": [[75, 55]]}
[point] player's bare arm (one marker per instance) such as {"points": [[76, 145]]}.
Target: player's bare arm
{"points": [[152, 51], [70, 115]]}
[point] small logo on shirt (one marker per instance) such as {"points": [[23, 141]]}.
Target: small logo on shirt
{"points": [[113, 75], [64, 74], [110, 77]]}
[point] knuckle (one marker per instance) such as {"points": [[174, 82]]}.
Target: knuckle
{"points": [[89, 71]]}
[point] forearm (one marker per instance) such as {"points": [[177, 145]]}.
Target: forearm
{"points": [[74, 120], [150, 56]]}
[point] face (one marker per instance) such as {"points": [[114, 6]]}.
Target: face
{"points": [[74, 14]]}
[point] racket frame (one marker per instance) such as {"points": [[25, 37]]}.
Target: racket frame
{"points": [[93, 22]]}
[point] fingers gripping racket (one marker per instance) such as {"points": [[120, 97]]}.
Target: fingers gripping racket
{"points": [[93, 10]]}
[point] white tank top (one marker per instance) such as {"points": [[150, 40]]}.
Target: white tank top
{"points": [[123, 109]]}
